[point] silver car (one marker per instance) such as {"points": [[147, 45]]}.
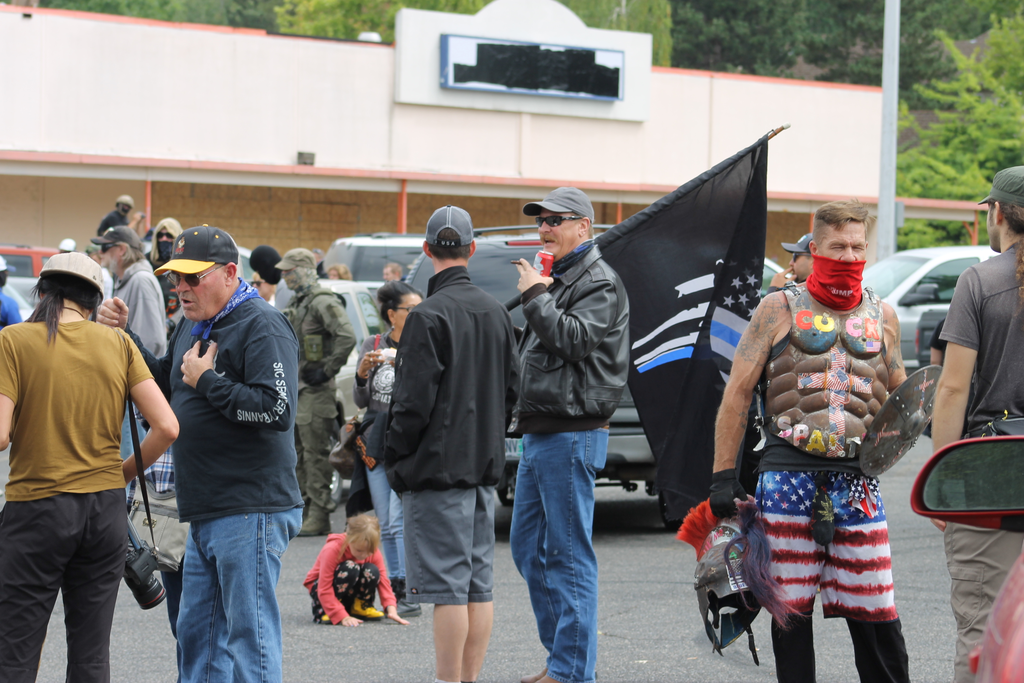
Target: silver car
{"points": [[920, 280]]}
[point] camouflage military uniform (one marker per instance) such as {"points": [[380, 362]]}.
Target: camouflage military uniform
{"points": [[325, 341]]}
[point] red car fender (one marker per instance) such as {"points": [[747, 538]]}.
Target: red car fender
{"points": [[999, 658]]}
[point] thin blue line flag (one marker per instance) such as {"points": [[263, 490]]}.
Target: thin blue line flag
{"points": [[692, 264]]}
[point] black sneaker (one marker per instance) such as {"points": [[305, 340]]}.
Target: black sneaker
{"points": [[408, 609]]}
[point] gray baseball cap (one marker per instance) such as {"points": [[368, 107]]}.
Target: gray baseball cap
{"points": [[450, 217], [1007, 186], [801, 246], [563, 200]]}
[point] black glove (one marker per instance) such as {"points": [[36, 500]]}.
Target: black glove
{"points": [[314, 376], [725, 487]]}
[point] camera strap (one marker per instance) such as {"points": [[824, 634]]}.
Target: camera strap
{"points": [[140, 469]]}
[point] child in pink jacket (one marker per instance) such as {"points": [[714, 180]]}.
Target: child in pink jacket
{"points": [[346, 574]]}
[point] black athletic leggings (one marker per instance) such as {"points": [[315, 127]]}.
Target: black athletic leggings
{"points": [[878, 650]]}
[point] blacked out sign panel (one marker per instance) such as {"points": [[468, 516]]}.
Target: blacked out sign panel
{"points": [[485, 64]]}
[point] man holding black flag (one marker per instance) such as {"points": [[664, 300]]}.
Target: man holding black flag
{"points": [[575, 360], [824, 518]]}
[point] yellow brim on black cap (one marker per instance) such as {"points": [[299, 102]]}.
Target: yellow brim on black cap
{"points": [[184, 266]]}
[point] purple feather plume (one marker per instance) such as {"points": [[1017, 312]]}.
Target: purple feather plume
{"points": [[752, 546]]}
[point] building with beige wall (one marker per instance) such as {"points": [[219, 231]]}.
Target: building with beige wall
{"points": [[205, 123]]}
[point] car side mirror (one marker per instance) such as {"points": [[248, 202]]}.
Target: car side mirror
{"points": [[923, 294], [979, 482]]}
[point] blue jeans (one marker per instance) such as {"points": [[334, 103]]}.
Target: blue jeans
{"points": [[388, 508], [229, 623], [552, 523], [172, 586]]}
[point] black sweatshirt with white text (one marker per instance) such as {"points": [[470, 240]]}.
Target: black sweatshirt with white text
{"points": [[235, 451]]}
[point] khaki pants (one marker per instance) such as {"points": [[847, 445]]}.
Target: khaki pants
{"points": [[978, 561]]}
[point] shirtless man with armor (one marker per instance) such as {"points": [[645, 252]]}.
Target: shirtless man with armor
{"points": [[826, 355]]}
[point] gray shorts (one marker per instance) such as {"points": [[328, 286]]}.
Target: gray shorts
{"points": [[449, 545]]}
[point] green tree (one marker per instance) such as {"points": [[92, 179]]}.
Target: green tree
{"points": [[348, 18], [1005, 56], [980, 130], [750, 36], [641, 16], [841, 39], [845, 40], [241, 13]]}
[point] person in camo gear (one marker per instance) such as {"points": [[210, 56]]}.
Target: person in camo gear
{"points": [[828, 354], [325, 341]]}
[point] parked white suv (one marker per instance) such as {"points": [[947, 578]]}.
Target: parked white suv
{"points": [[366, 255], [362, 312], [920, 280]]}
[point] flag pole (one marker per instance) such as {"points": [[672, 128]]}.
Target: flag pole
{"points": [[778, 130]]}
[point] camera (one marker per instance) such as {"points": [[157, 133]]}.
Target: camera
{"points": [[140, 571]]}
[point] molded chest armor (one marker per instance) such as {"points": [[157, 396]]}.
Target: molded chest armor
{"points": [[825, 388]]}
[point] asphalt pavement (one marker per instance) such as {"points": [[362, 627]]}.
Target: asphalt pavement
{"points": [[649, 626]]}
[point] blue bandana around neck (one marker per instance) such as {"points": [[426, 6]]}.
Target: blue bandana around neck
{"points": [[244, 292], [562, 265]]}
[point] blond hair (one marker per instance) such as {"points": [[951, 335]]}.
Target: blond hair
{"points": [[343, 271], [837, 215], [362, 529]]}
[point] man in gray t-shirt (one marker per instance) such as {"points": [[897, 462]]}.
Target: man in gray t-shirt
{"points": [[985, 335]]}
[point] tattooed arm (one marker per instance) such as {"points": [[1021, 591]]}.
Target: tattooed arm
{"points": [[770, 322], [893, 356]]}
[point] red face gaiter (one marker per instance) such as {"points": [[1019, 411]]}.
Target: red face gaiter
{"points": [[837, 284]]}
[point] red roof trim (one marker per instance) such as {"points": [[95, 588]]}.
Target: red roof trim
{"points": [[139, 21], [142, 162], [764, 79]]}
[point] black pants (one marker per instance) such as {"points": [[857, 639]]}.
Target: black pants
{"points": [[352, 581], [878, 650], [74, 543]]}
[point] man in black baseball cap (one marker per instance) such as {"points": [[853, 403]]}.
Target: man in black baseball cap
{"points": [[234, 462], [444, 437], [800, 264]]}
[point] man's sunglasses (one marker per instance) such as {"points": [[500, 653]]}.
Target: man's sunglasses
{"points": [[191, 280], [555, 221], [107, 247]]}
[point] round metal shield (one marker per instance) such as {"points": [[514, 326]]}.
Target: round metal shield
{"points": [[901, 419]]}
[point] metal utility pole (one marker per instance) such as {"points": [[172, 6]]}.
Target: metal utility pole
{"points": [[886, 235]]}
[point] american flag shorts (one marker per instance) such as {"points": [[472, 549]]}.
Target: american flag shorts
{"points": [[854, 572]]}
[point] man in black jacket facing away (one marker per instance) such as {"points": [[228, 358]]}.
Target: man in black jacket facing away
{"points": [[456, 375], [575, 358]]}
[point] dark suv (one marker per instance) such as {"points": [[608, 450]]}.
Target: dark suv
{"points": [[630, 460]]}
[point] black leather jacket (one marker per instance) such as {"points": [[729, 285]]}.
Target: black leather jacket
{"points": [[574, 350]]}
